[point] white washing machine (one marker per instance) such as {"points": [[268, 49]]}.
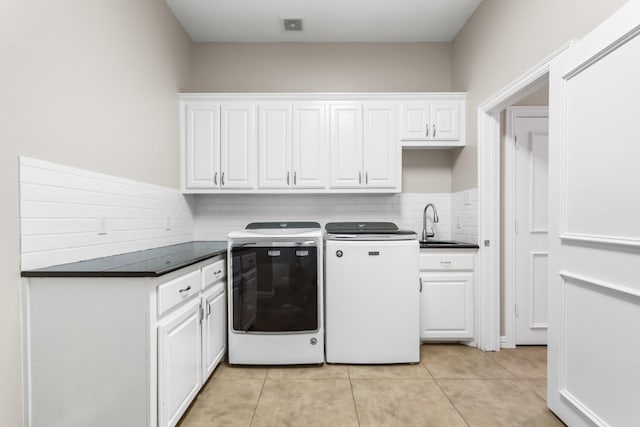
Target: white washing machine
{"points": [[372, 294], [275, 294]]}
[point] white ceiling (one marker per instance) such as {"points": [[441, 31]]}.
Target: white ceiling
{"points": [[323, 20]]}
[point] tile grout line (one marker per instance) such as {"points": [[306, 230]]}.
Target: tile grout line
{"points": [[259, 397], [521, 380], [451, 401], [353, 396]]}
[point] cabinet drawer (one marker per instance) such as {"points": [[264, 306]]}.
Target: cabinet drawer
{"points": [[448, 261], [177, 290], [213, 272]]}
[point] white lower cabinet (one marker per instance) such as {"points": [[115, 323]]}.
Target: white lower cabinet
{"points": [[214, 328], [179, 373], [446, 300], [122, 351]]}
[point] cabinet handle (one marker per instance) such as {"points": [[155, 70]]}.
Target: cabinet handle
{"points": [[288, 173], [420, 285], [427, 127], [215, 179], [208, 310], [294, 177], [219, 271], [187, 289], [222, 178], [434, 131], [360, 177], [445, 263], [366, 177]]}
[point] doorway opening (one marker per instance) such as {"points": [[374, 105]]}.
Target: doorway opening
{"points": [[489, 177]]}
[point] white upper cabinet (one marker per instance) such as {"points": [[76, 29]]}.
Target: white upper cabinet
{"points": [[364, 146], [381, 154], [201, 122], [346, 146], [291, 146], [274, 146], [311, 143], [433, 123], [238, 144]]}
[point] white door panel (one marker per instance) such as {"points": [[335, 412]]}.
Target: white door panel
{"points": [[381, 145], [274, 146], [531, 206], [202, 144], [346, 146], [594, 255], [309, 145], [445, 121], [238, 140]]}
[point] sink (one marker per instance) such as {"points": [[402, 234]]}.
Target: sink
{"points": [[445, 244]]}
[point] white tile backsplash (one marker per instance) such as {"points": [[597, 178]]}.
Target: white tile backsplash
{"points": [[464, 205], [215, 216], [59, 207]]}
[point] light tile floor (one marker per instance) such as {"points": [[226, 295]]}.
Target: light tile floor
{"points": [[454, 385]]}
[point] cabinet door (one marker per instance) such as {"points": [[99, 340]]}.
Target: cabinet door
{"points": [[346, 146], [179, 356], [446, 306], [238, 141], [414, 121], [274, 146], [381, 146], [201, 122], [309, 145], [214, 329], [445, 121]]}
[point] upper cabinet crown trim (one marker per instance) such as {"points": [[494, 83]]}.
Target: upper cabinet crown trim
{"points": [[323, 96]]}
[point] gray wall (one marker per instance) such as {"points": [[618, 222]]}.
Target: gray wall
{"points": [[502, 40], [89, 84], [335, 67]]}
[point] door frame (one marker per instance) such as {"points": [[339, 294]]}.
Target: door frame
{"points": [[513, 113], [488, 301]]}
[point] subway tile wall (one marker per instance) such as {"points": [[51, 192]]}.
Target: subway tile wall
{"points": [[215, 216], [60, 206], [464, 208]]}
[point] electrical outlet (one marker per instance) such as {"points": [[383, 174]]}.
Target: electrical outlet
{"points": [[102, 224], [167, 223]]}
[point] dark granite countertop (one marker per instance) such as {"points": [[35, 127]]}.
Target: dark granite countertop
{"points": [[148, 263], [447, 244]]}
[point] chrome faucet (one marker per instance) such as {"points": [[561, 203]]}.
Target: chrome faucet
{"points": [[432, 233]]}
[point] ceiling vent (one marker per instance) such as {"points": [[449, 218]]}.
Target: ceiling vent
{"points": [[292, 24]]}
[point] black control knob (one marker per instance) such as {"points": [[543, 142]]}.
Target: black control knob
{"points": [[339, 253]]}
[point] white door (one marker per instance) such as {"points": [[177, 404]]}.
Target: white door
{"points": [[444, 119], [274, 146], [531, 154], [202, 144], [381, 146], [414, 121], [213, 329], [179, 373], [594, 226], [346, 146], [238, 141], [446, 306], [309, 145]]}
